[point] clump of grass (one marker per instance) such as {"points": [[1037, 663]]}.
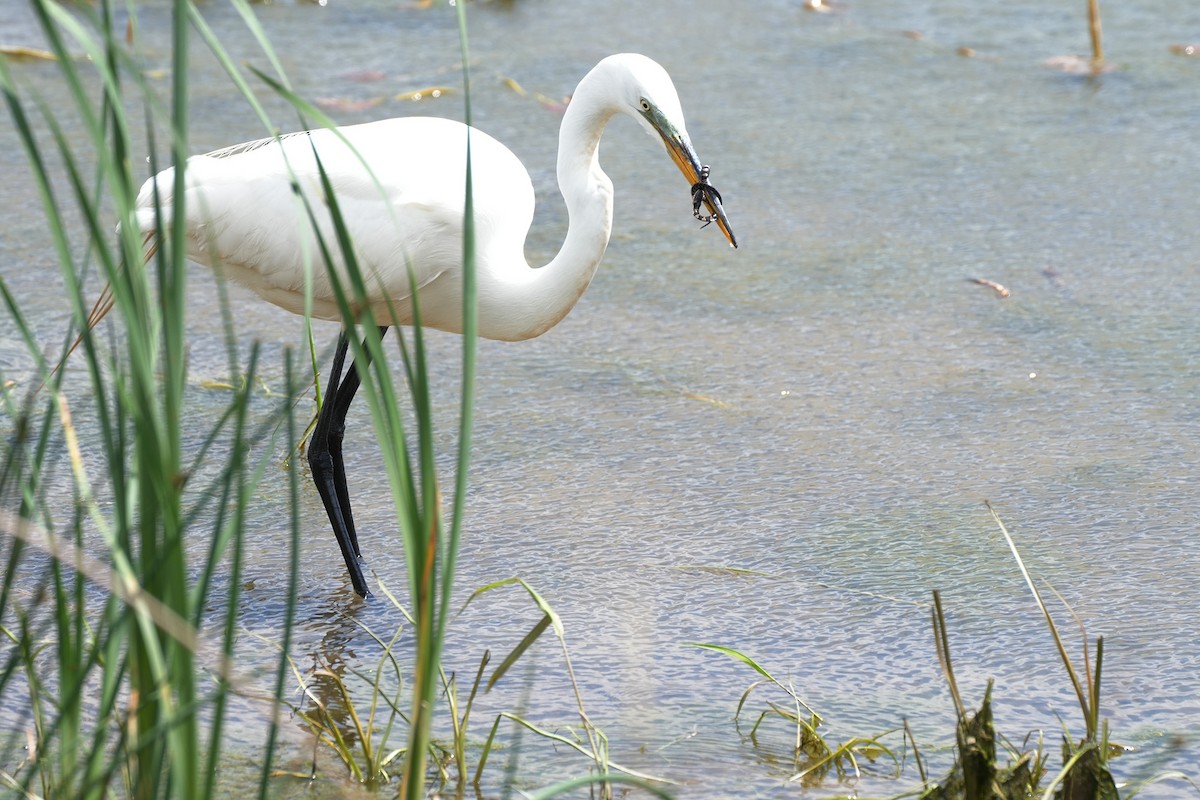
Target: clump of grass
{"points": [[976, 774], [359, 730], [814, 757], [589, 740], [1085, 773], [364, 748]]}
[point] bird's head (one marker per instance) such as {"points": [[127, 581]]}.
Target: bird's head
{"points": [[649, 96]]}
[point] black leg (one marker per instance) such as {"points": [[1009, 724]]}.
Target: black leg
{"points": [[337, 431], [328, 467]]}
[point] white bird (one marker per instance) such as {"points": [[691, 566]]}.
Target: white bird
{"points": [[399, 185]]}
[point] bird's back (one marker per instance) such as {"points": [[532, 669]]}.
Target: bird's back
{"points": [[399, 185]]}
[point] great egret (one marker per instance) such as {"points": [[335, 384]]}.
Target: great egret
{"points": [[244, 212]]}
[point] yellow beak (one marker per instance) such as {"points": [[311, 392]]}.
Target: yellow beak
{"points": [[684, 156]]}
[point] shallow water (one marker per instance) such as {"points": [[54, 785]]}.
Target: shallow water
{"points": [[829, 405]]}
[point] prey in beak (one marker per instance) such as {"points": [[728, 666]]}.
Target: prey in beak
{"points": [[703, 192], [684, 155]]}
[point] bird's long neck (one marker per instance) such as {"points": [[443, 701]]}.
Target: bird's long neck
{"points": [[549, 292]]}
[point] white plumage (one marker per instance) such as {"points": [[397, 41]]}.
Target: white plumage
{"points": [[406, 209], [399, 186]]}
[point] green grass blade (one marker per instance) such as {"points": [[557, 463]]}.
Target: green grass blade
{"points": [[1058, 642], [737, 655], [534, 633]]}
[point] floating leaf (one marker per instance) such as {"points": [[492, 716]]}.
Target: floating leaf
{"points": [[545, 100], [428, 93], [347, 104], [19, 52], [710, 400], [1000, 290]]}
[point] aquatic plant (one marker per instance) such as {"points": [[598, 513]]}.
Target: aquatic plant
{"points": [[112, 678], [1084, 775], [976, 774], [813, 756], [112, 646], [1085, 769]]}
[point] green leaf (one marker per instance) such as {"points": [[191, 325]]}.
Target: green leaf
{"points": [[735, 654], [518, 651]]}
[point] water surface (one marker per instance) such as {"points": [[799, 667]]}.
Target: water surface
{"points": [[828, 406]]}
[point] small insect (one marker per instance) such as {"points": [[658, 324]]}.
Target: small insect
{"points": [[704, 192]]}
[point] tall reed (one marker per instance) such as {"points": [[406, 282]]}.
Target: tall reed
{"points": [[107, 648], [119, 703]]}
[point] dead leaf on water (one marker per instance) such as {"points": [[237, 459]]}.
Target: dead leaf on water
{"points": [[215, 385], [27, 53], [547, 101], [347, 103], [1185, 49], [1000, 290], [428, 93], [1079, 65], [721, 404]]}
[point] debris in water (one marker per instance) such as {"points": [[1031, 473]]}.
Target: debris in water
{"points": [[549, 102], [347, 104], [1079, 65], [364, 75], [428, 93], [1002, 291], [30, 53]]}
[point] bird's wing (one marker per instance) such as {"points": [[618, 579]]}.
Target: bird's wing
{"points": [[251, 209]]}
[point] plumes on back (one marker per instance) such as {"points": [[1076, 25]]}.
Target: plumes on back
{"points": [[399, 185]]}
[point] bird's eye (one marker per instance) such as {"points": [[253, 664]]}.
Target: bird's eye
{"points": [[645, 104]]}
